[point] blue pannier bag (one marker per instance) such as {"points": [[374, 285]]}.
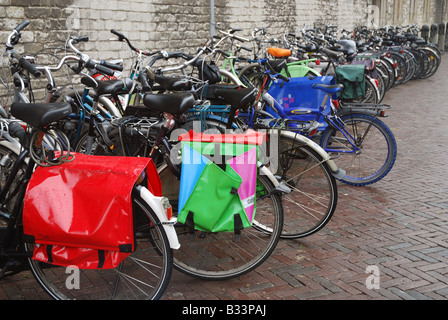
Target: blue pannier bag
{"points": [[299, 100]]}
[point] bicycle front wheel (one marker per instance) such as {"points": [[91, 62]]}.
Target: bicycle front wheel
{"points": [[376, 148], [144, 275]]}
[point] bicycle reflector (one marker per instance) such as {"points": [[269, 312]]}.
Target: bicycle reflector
{"points": [[167, 207], [313, 132], [377, 83], [336, 103]]}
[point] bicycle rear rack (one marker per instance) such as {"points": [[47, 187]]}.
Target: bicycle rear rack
{"points": [[379, 109], [207, 111]]}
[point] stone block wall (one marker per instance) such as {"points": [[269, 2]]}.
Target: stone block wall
{"points": [[169, 25]]}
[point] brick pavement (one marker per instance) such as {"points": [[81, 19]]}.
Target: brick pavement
{"points": [[399, 225]]}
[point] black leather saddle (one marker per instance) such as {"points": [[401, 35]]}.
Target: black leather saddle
{"points": [[332, 54], [173, 83], [173, 103], [104, 87], [40, 115], [275, 66], [237, 98]]}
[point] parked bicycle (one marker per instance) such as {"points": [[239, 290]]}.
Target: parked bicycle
{"points": [[312, 168], [145, 274]]}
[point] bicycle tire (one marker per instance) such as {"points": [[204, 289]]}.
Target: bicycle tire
{"points": [[8, 157], [144, 275], [401, 67], [377, 165], [390, 71], [306, 209], [314, 193], [432, 63], [252, 75], [216, 256]]}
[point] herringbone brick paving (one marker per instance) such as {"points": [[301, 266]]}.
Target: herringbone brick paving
{"points": [[399, 225]]}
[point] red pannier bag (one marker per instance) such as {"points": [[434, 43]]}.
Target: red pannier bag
{"points": [[80, 213]]}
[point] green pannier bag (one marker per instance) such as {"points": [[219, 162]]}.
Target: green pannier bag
{"points": [[353, 77], [218, 181]]}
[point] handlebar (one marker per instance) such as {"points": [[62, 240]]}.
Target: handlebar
{"points": [[101, 66], [122, 37], [25, 64], [22, 25], [92, 64], [231, 34], [14, 36], [31, 68], [112, 66], [143, 79]]}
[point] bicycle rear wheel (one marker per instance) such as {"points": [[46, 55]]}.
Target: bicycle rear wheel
{"points": [[313, 197], [314, 193], [144, 275], [217, 256], [377, 149]]}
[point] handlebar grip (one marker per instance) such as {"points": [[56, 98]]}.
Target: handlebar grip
{"points": [[31, 68], [225, 54], [143, 79], [22, 25], [101, 69], [112, 66], [118, 34], [83, 39], [240, 38], [286, 79], [246, 48], [104, 70]]}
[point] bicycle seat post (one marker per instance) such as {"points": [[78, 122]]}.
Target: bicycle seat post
{"points": [[324, 101]]}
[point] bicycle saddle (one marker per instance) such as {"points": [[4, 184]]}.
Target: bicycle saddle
{"points": [[173, 83], [279, 52], [40, 115], [173, 103], [329, 88], [348, 47], [103, 87], [237, 98], [276, 66], [332, 54]]}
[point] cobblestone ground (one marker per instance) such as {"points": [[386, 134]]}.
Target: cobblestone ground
{"points": [[398, 226]]}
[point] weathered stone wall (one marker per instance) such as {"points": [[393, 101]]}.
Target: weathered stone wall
{"points": [[183, 25]]}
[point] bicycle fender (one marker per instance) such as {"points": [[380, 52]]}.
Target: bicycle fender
{"points": [[110, 106], [231, 76], [264, 171], [155, 204], [354, 110], [337, 172], [377, 92]]}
